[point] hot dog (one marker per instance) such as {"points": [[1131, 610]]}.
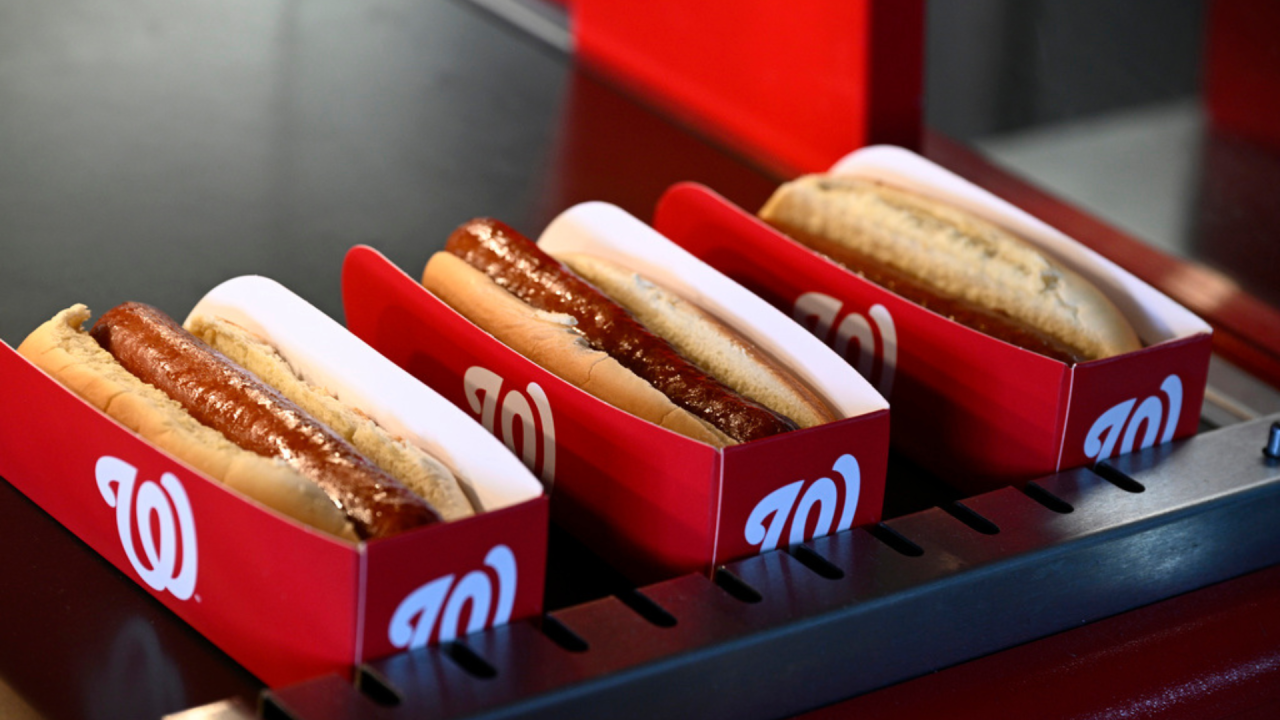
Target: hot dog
{"points": [[953, 263], [175, 390], [507, 285]]}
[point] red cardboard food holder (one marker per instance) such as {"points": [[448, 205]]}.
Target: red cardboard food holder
{"points": [[651, 501], [286, 601], [974, 410]]}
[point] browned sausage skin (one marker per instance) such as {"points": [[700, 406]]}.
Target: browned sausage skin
{"points": [[253, 415], [517, 264]]}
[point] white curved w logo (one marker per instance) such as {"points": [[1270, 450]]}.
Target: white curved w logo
{"points": [[1100, 442], [520, 418], [415, 619], [780, 506], [859, 339], [167, 504]]}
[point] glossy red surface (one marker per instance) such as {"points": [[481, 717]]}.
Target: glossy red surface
{"points": [[1242, 83], [1212, 653], [796, 85]]}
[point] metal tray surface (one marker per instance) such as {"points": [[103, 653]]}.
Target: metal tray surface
{"points": [[884, 604]]}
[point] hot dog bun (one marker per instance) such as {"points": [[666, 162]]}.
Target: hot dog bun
{"points": [[226, 397], [61, 348], [953, 263], [708, 342], [549, 339], [354, 481], [421, 473], [662, 344]]}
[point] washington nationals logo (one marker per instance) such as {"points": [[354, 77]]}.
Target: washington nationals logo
{"points": [[867, 342], [522, 416], [154, 519], [770, 515], [440, 603], [1131, 417]]}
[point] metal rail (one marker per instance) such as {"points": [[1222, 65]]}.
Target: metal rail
{"points": [[789, 631]]}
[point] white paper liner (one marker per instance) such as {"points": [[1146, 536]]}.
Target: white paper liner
{"points": [[609, 232], [1155, 316], [326, 354]]}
